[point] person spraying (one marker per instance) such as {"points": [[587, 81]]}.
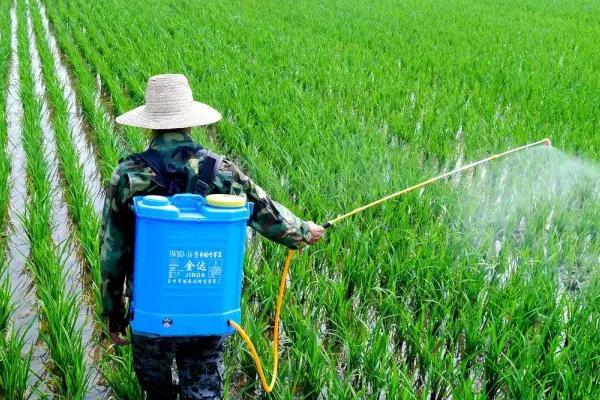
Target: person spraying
{"points": [[175, 164]]}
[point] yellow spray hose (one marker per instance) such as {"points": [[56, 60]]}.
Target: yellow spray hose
{"points": [[269, 387]]}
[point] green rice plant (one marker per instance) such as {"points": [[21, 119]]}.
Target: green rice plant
{"points": [[6, 306], [14, 366], [4, 69]]}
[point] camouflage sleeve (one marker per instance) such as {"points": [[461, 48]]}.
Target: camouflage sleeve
{"points": [[270, 219], [115, 258]]}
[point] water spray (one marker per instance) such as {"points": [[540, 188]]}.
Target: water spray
{"points": [[269, 387]]}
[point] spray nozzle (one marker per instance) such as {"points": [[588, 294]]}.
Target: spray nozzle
{"points": [[547, 142]]}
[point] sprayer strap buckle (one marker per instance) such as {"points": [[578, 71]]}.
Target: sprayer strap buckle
{"points": [[201, 188], [210, 166]]}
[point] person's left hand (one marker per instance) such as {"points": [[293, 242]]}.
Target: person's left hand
{"points": [[316, 232]]}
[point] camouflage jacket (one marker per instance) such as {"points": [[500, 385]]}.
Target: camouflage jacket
{"points": [[132, 177]]}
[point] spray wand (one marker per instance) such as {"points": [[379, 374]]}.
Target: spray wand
{"points": [[269, 387]]}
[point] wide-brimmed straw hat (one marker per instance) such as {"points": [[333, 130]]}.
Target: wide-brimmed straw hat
{"points": [[169, 105]]}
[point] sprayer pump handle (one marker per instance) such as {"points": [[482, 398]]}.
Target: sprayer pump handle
{"points": [[327, 225]]}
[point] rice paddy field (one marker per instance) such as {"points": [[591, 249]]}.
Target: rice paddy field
{"points": [[482, 286]]}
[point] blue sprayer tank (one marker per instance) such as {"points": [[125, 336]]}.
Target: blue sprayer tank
{"points": [[188, 264]]}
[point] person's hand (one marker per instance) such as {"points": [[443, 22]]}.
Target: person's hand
{"points": [[115, 330], [316, 232]]}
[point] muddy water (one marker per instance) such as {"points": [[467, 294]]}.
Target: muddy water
{"points": [[87, 156], [61, 232], [22, 287]]}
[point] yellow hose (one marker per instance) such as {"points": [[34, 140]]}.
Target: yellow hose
{"points": [[269, 387]]}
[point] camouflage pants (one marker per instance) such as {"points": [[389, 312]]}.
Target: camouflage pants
{"points": [[199, 363]]}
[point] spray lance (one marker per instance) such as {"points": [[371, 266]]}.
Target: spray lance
{"points": [[268, 387]]}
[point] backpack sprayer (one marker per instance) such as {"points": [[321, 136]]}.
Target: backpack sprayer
{"points": [[188, 266]]}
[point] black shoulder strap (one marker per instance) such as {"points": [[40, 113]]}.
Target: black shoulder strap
{"points": [[208, 171], [155, 162]]}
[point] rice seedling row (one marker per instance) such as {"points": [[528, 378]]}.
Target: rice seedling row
{"points": [[5, 53]]}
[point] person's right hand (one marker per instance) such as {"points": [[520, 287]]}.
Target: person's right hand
{"points": [[115, 330], [316, 232]]}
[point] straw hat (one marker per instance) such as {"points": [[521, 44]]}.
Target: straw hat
{"points": [[169, 105]]}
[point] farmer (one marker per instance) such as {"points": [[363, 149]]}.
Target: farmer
{"points": [[170, 112]]}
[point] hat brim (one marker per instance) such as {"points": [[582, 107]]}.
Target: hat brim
{"points": [[198, 114]]}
